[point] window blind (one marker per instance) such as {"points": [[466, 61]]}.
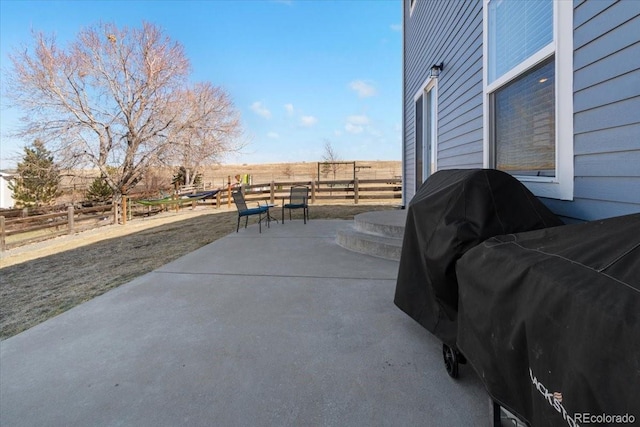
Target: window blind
{"points": [[517, 30], [525, 123]]}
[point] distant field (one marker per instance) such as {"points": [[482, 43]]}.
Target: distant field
{"points": [[302, 171], [216, 176]]}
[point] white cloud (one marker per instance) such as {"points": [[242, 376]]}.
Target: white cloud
{"points": [[355, 129], [289, 108], [358, 119], [356, 123], [362, 88], [396, 27], [374, 132], [308, 121], [273, 135], [258, 108]]}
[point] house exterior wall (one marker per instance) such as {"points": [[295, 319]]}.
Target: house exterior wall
{"points": [[606, 98], [449, 32], [6, 195]]}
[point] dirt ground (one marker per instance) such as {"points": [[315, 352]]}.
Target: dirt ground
{"points": [[44, 279]]}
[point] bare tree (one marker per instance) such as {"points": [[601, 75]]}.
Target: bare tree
{"points": [[209, 126], [331, 160], [287, 170], [118, 97]]}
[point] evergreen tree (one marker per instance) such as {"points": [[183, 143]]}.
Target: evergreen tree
{"points": [[99, 190], [38, 177]]}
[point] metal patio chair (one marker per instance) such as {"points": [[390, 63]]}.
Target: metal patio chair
{"points": [[244, 211], [298, 199]]}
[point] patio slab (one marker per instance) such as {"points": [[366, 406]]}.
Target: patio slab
{"points": [[283, 328]]}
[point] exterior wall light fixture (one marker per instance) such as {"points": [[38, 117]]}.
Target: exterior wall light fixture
{"points": [[436, 69]]}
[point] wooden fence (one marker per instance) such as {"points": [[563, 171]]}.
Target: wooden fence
{"points": [[320, 191], [16, 231], [338, 190], [20, 231]]}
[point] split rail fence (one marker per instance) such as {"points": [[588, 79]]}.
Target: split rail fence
{"points": [[22, 230], [17, 231]]}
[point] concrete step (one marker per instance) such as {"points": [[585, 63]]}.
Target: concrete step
{"points": [[382, 223], [370, 244], [377, 234]]}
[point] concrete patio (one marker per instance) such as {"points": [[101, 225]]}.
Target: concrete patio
{"points": [[282, 328]]}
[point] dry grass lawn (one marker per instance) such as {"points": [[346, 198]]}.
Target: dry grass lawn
{"points": [[42, 280]]}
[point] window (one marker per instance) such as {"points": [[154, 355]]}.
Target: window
{"points": [[528, 93], [419, 144], [517, 30], [426, 118], [524, 136]]}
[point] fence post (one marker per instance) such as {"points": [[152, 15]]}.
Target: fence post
{"points": [[355, 191], [272, 198], [114, 206], [124, 210], [2, 234], [218, 199], [70, 224], [229, 192], [313, 191]]}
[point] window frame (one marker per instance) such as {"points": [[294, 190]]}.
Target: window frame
{"points": [[560, 186], [429, 86], [418, 140]]}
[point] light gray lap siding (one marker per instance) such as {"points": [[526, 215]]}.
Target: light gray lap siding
{"points": [[606, 111], [449, 32], [606, 86]]}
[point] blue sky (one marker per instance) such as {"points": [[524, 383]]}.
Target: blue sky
{"points": [[301, 72]]}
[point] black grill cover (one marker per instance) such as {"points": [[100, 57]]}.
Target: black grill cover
{"points": [[453, 211], [550, 320]]}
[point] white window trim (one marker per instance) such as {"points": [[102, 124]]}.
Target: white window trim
{"points": [[560, 186], [431, 84], [412, 6]]}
